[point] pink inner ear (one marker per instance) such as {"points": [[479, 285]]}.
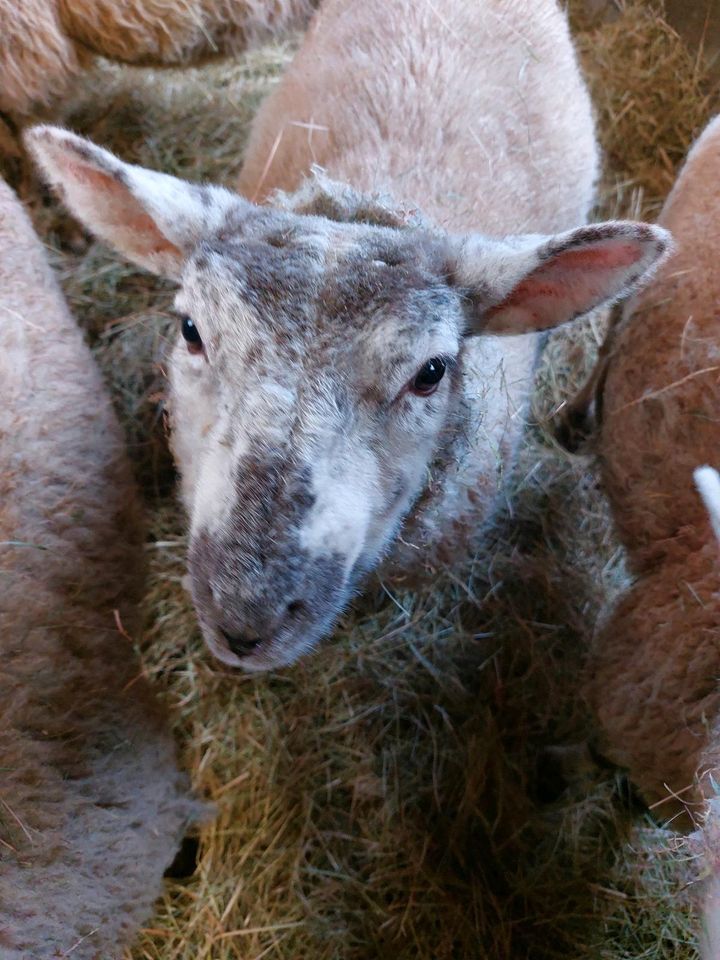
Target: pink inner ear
{"points": [[570, 283], [607, 255], [124, 210]]}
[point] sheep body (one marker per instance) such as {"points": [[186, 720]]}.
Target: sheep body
{"points": [[662, 386], [91, 801], [654, 669], [44, 44], [397, 98], [653, 673]]}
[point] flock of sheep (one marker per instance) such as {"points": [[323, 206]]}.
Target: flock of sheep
{"points": [[347, 392]]}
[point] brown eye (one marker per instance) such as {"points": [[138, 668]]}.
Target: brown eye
{"points": [[191, 336], [427, 380]]}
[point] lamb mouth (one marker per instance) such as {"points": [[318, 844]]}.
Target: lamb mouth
{"points": [[282, 652]]}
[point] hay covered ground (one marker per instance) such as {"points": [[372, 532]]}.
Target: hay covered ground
{"points": [[421, 787]]}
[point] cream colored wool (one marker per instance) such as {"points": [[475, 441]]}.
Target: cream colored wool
{"points": [[92, 804], [433, 104], [45, 43]]}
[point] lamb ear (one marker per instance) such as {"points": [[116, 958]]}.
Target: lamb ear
{"points": [[531, 283], [153, 219]]}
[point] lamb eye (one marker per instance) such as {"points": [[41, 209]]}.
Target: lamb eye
{"points": [[191, 335], [427, 380]]}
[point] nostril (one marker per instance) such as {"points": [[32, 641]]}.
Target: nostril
{"points": [[239, 645], [297, 609]]}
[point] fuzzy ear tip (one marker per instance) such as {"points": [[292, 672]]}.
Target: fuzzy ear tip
{"points": [[657, 241], [44, 138], [649, 233], [42, 133], [41, 140], [663, 244], [663, 238]]}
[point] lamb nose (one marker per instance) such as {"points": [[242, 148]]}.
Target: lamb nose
{"points": [[239, 645]]}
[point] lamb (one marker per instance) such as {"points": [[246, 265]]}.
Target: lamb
{"points": [[45, 44], [351, 375], [92, 803], [654, 672]]}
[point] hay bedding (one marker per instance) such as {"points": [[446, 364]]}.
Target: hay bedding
{"points": [[420, 787]]}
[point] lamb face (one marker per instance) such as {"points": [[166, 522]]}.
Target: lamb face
{"points": [[323, 368]]}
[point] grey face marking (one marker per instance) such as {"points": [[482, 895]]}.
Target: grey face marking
{"points": [[300, 445], [263, 613]]}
